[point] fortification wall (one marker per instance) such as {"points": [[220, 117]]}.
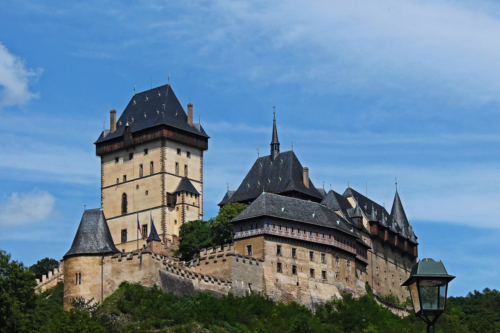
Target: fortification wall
{"points": [[51, 279], [398, 311]]}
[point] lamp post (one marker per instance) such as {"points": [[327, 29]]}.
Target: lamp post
{"points": [[428, 283]]}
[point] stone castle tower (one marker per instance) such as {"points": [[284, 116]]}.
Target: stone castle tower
{"points": [[151, 168]]}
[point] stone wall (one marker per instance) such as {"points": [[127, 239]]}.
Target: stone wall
{"points": [[398, 311], [51, 279]]}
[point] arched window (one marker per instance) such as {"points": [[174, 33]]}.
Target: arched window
{"points": [[124, 203]]}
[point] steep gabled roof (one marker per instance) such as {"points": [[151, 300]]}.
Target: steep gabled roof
{"points": [[321, 191], [268, 204], [226, 198], [283, 174], [363, 202], [157, 106], [337, 202], [186, 185], [93, 235]]}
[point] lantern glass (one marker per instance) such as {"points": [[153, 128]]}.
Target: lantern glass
{"points": [[414, 296], [433, 294]]}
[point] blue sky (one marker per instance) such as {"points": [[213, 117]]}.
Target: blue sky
{"points": [[366, 91]]}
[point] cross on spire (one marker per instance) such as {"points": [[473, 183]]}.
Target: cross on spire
{"points": [[275, 144]]}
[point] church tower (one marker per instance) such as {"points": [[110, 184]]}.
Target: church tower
{"points": [[151, 168]]}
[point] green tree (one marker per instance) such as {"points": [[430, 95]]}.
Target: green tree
{"points": [[18, 300], [220, 226], [194, 235], [43, 266]]}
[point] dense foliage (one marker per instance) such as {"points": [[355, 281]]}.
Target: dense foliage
{"points": [[134, 308], [197, 235], [43, 266]]}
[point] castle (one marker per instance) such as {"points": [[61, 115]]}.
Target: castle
{"points": [[294, 242]]}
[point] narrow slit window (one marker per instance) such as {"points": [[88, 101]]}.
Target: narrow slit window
{"points": [[311, 272], [176, 168], [279, 268], [145, 230], [185, 170], [146, 151], [141, 171], [249, 250], [124, 235], [124, 204], [151, 168]]}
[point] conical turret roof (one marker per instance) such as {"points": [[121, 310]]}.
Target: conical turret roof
{"points": [[93, 235], [398, 215], [356, 212], [373, 215], [153, 235]]}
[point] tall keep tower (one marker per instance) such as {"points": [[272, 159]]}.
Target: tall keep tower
{"points": [[151, 168]]}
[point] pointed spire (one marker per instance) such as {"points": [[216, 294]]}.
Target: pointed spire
{"points": [[373, 215], [398, 213], [275, 144], [356, 212]]}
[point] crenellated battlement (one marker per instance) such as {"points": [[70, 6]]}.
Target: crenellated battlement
{"points": [[51, 279]]}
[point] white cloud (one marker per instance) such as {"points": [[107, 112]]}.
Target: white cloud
{"points": [[15, 79], [26, 208]]}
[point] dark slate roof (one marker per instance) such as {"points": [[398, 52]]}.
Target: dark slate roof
{"points": [[186, 185], [93, 235], [363, 202], [335, 201], [321, 191], [398, 216], [153, 235], [373, 216], [356, 212], [396, 221], [161, 108], [226, 198], [281, 175], [268, 204]]}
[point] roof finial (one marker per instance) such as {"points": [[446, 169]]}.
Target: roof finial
{"points": [[199, 119], [103, 125], [168, 80], [275, 143], [292, 145], [330, 187], [257, 152], [227, 186], [396, 178], [134, 89], [84, 207], [323, 184], [348, 184]]}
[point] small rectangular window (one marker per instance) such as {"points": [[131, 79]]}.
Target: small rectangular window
{"points": [[146, 151], [117, 159], [176, 168], [279, 268], [294, 253], [294, 270], [80, 278], [141, 171], [124, 235], [323, 258], [151, 168], [124, 178], [278, 250], [76, 278], [178, 151], [311, 255], [323, 275], [185, 170], [249, 250], [311, 272], [188, 154], [117, 180], [145, 230], [131, 156]]}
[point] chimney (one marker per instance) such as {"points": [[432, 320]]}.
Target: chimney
{"points": [[112, 121], [190, 114], [306, 176]]}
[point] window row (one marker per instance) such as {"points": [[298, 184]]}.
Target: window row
{"points": [[385, 276], [311, 256], [279, 269], [179, 152]]}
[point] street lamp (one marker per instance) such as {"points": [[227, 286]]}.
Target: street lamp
{"points": [[428, 283]]}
